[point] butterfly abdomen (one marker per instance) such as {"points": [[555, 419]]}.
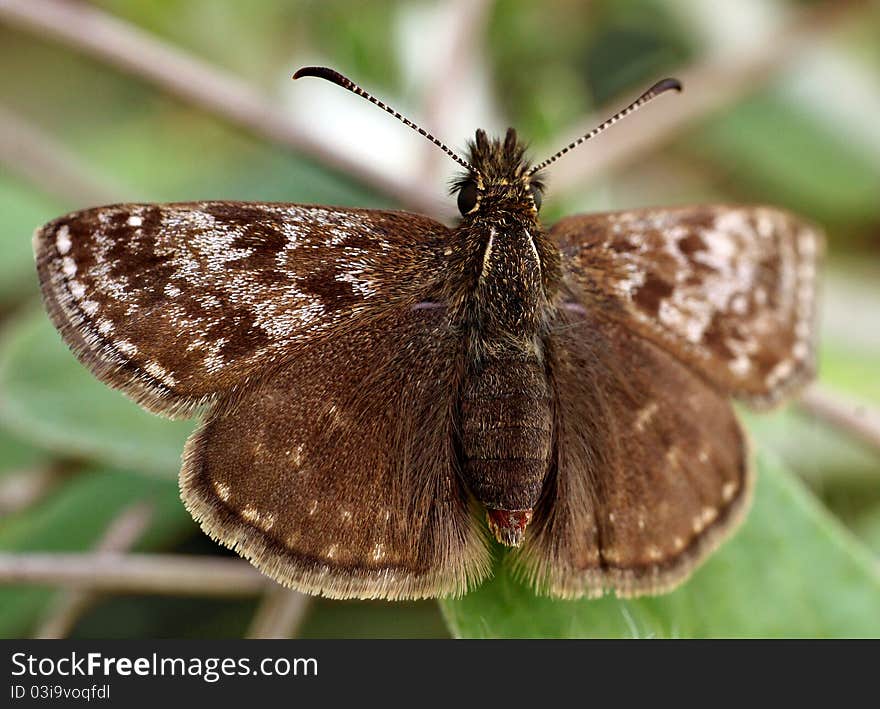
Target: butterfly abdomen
{"points": [[506, 433]]}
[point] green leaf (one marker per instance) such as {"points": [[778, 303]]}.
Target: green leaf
{"points": [[791, 571], [851, 369], [47, 397], [18, 457], [867, 526], [771, 147], [74, 518]]}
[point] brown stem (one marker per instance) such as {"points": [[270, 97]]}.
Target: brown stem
{"points": [[122, 533], [130, 49], [280, 614], [853, 418], [165, 574]]}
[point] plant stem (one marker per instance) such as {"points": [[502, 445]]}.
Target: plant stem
{"points": [[120, 44], [121, 534], [164, 574], [280, 614], [853, 418]]}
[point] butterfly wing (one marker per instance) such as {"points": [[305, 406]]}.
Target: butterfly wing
{"points": [[336, 473], [651, 469], [730, 291], [176, 303]]}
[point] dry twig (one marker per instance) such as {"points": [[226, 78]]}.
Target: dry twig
{"points": [[128, 48], [852, 418], [162, 574], [122, 533], [280, 614]]}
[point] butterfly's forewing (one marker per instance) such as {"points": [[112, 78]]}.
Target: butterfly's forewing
{"points": [[730, 291], [336, 474], [651, 466], [176, 303]]}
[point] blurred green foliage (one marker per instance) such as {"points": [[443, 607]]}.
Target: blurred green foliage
{"points": [[806, 561], [48, 397]]}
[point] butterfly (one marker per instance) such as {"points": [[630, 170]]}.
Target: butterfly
{"points": [[382, 394]]}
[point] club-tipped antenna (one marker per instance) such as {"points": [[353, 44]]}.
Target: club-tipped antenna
{"points": [[660, 87], [335, 77]]}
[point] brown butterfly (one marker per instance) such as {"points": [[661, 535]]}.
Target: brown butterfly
{"points": [[379, 390]]}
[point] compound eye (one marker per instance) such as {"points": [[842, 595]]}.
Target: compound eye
{"points": [[467, 197], [537, 196]]}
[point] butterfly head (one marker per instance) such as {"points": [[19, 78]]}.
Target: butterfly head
{"points": [[500, 180]]}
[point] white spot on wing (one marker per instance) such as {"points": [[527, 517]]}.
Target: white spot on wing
{"points": [[222, 490], [728, 490], [780, 373], [62, 240], [159, 372], [90, 307], [263, 520], [645, 414], [704, 519], [741, 365], [126, 347]]}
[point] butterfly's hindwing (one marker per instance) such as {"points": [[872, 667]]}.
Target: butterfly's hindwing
{"points": [[177, 303], [336, 474], [651, 471], [728, 290]]}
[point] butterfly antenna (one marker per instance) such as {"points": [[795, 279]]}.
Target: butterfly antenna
{"points": [[335, 77], [660, 87]]}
